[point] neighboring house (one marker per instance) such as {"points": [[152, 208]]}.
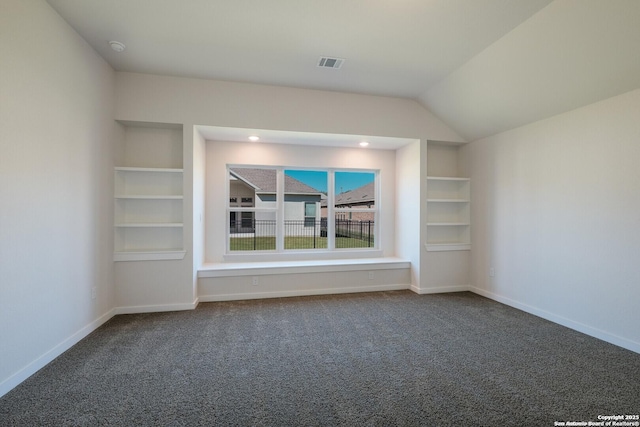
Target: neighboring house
{"points": [[256, 188], [358, 198]]}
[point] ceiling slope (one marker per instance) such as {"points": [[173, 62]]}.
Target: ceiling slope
{"points": [[570, 54], [390, 47], [482, 66]]}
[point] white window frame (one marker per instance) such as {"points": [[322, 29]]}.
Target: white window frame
{"points": [[331, 212]]}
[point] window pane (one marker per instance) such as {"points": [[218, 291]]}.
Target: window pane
{"points": [[252, 187], [355, 190], [355, 230], [310, 209], [252, 231], [304, 193]]}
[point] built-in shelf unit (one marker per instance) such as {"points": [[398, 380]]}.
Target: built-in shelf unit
{"points": [[148, 186], [448, 213], [448, 201]]}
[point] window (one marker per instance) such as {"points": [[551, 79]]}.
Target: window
{"points": [[286, 209], [354, 207], [309, 214], [252, 221]]}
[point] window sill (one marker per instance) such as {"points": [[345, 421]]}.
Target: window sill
{"points": [[301, 266]]}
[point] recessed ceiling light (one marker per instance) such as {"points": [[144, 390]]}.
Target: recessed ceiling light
{"points": [[254, 138], [364, 144], [117, 46]]}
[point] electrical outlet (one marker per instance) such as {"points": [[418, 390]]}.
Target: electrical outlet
{"points": [[254, 281], [371, 275], [492, 272], [94, 292]]}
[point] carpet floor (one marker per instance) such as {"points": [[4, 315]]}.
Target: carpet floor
{"points": [[371, 359]]}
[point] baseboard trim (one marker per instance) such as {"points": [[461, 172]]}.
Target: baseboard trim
{"points": [[136, 309], [301, 292], [571, 324], [39, 363], [439, 289]]}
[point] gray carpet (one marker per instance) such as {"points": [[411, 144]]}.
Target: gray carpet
{"points": [[387, 359]]}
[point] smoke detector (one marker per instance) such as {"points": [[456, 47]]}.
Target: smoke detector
{"points": [[328, 62], [117, 46]]}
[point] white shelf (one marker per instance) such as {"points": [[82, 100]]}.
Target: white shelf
{"points": [[446, 178], [443, 247], [447, 188], [148, 237], [138, 183], [154, 170], [150, 225], [149, 196], [149, 255], [448, 213]]}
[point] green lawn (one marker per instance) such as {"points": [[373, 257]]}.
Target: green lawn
{"points": [[293, 242], [251, 244]]}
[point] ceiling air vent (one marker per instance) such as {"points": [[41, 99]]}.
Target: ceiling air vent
{"points": [[326, 62]]}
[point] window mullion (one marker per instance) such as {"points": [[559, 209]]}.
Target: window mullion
{"points": [[331, 226], [377, 209], [280, 210]]}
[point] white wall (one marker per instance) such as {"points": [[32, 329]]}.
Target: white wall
{"points": [[56, 158], [408, 202], [556, 213], [164, 99], [191, 102], [199, 173], [219, 154]]}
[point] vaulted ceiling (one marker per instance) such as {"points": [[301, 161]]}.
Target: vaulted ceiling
{"points": [[482, 66]]}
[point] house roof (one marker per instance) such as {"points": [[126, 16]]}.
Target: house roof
{"points": [[364, 194], [264, 181]]}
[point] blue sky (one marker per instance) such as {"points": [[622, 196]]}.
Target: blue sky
{"points": [[344, 180]]}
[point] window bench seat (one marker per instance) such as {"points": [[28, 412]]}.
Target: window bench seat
{"points": [[250, 280], [290, 267]]}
